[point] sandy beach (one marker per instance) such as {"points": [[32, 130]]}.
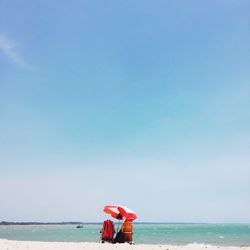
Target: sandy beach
{"points": [[37, 245]]}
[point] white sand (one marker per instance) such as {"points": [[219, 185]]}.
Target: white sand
{"points": [[36, 245]]}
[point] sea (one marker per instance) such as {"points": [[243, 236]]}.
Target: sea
{"points": [[143, 233]]}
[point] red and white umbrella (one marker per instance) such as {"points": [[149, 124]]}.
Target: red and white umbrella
{"points": [[120, 212]]}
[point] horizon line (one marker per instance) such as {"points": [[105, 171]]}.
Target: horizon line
{"points": [[100, 222]]}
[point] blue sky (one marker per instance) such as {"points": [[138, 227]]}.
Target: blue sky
{"points": [[140, 103]]}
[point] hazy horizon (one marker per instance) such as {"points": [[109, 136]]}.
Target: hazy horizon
{"points": [[117, 222]]}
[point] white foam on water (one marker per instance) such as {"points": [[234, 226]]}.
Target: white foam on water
{"points": [[195, 244]]}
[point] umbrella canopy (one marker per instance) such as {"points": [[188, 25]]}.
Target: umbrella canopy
{"points": [[120, 212]]}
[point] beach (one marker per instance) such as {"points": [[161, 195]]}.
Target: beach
{"points": [[124, 121], [38, 245]]}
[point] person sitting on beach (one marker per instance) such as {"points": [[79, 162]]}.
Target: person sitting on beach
{"points": [[119, 237], [119, 217]]}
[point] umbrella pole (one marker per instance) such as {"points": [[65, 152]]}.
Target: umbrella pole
{"points": [[118, 227]]}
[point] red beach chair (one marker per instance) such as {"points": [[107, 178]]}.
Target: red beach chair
{"points": [[107, 232]]}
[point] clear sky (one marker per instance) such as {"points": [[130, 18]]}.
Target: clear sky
{"points": [[140, 103]]}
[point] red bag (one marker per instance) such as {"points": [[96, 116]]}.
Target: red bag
{"points": [[108, 230]]}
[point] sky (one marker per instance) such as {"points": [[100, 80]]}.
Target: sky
{"points": [[139, 103]]}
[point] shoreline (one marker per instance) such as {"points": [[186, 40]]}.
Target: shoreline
{"points": [[45, 245]]}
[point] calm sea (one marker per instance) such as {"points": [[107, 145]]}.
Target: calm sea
{"points": [[181, 234]]}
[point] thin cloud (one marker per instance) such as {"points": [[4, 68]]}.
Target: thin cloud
{"points": [[8, 49]]}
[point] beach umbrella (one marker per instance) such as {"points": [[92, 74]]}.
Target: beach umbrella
{"points": [[120, 212]]}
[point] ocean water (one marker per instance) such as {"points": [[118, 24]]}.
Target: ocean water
{"points": [[153, 233]]}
